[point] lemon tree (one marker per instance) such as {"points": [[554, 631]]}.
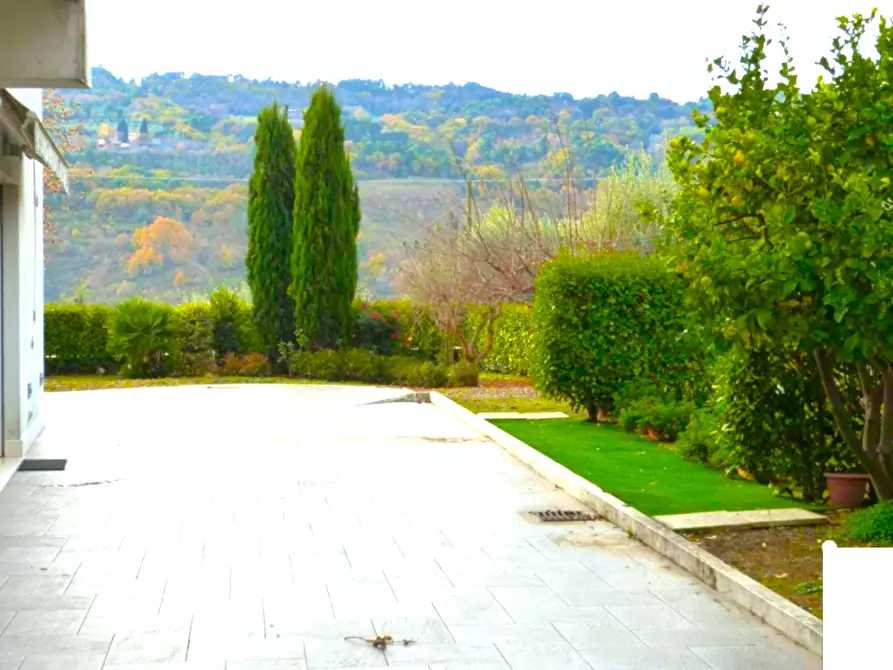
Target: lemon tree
{"points": [[783, 226]]}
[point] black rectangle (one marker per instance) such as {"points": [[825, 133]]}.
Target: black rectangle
{"points": [[43, 464], [858, 590]]}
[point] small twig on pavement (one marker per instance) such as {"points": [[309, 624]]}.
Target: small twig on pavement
{"points": [[380, 642]]}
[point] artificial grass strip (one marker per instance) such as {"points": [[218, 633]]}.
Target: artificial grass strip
{"points": [[652, 478]]}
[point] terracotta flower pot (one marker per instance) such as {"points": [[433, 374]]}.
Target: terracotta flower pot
{"points": [[847, 489]]}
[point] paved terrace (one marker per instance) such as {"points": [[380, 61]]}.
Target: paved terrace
{"points": [[256, 527]]}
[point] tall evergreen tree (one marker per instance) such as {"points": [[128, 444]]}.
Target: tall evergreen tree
{"points": [[326, 223], [123, 131], [271, 200]]}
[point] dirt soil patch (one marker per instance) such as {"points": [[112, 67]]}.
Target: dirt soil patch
{"points": [[505, 393], [786, 560]]}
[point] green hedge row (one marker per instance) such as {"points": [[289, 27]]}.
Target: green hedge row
{"points": [[365, 366], [142, 338], [201, 335], [76, 339]]}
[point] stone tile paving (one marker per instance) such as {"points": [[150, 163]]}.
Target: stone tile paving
{"points": [[254, 528]]}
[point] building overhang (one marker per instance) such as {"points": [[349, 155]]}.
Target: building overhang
{"points": [[23, 130], [43, 44]]}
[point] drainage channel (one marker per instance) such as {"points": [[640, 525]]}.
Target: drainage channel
{"points": [[564, 516]]}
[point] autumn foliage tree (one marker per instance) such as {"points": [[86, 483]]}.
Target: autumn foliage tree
{"points": [[326, 224], [271, 204], [66, 133], [164, 238], [784, 222]]}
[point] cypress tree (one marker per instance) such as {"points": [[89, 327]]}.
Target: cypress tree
{"points": [[123, 131], [326, 223], [271, 199]]}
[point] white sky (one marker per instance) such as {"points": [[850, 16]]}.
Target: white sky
{"points": [[582, 47]]}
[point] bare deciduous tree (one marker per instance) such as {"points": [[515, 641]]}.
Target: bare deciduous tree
{"points": [[451, 285], [493, 257]]}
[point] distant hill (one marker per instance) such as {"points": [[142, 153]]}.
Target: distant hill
{"points": [[181, 148]]}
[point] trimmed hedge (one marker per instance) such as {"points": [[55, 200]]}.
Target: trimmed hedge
{"points": [[233, 324], [193, 339], [365, 366], [76, 339], [603, 323], [207, 332]]}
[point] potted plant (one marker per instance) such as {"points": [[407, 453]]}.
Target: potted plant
{"points": [[847, 489]]}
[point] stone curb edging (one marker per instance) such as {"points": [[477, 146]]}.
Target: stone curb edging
{"points": [[776, 611]]}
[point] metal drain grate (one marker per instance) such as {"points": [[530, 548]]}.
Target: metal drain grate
{"points": [[43, 464], [564, 515]]}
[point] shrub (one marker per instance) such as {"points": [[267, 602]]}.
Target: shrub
{"points": [[376, 328], [871, 526], [399, 369], [421, 336], [700, 439], [775, 423], [601, 323], [246, 365], [410, 372], [657, 418], [430, 375], [632, 415], [293, 359], [512, 341], [193, 339], [464, 374], [325, 364], [365, 366], [234, 330], [76, 339], [396, 327], [142, 338], [667, 420]]}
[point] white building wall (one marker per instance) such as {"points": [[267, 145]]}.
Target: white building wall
{"points": [[22, 301], [43, 44]]}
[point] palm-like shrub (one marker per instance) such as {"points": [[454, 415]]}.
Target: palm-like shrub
{"points": [[142, 338]]}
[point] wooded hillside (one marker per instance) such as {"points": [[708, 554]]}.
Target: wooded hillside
{"points": [[181, 148]]}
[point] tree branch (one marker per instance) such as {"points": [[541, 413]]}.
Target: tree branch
{"points": [[491, 335], [871, 402], [885, 446], [841, 416]]}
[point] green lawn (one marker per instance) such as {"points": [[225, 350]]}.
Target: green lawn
{"points": [[652, 478]]}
